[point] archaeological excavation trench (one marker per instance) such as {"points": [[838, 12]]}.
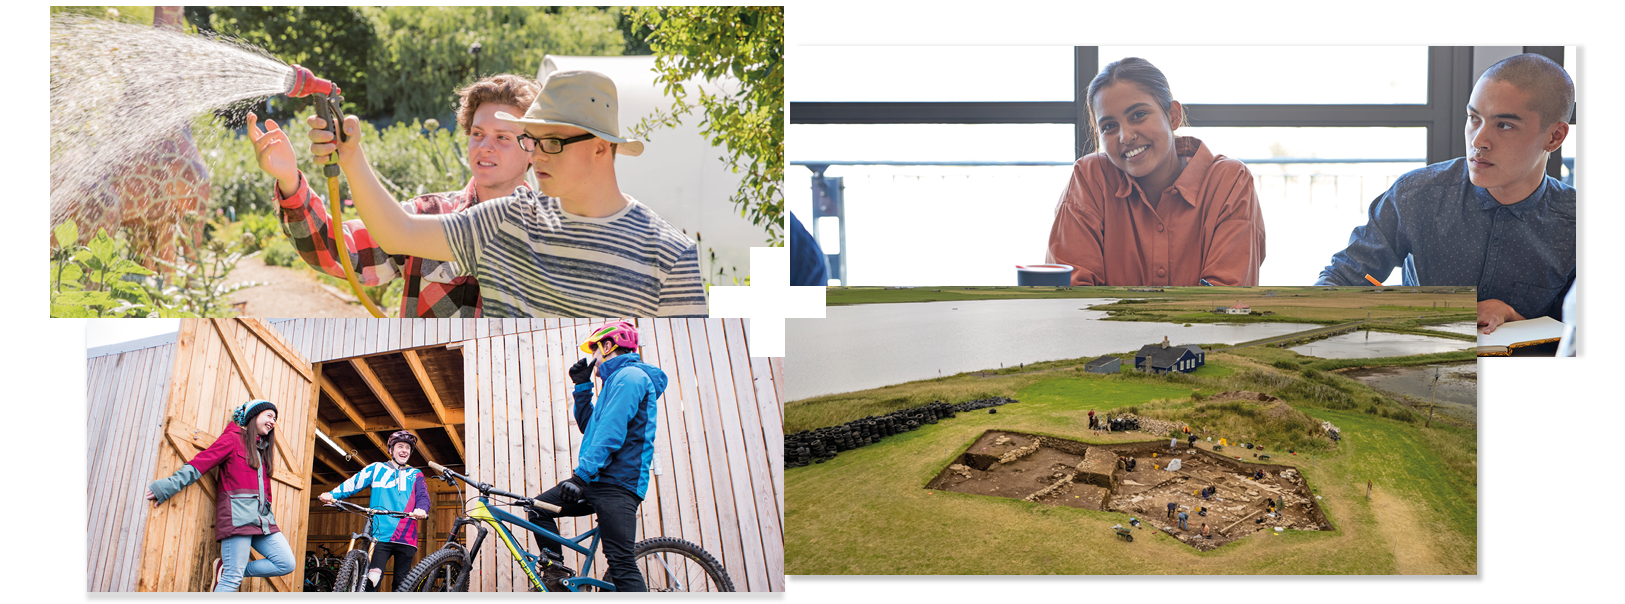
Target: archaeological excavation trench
{"points": [[1065, 472]]}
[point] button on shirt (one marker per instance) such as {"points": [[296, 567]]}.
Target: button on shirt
{"points": [[1445, 231], [1206, 226]]}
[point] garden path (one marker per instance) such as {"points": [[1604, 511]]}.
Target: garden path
{"points": [[290, 293]]}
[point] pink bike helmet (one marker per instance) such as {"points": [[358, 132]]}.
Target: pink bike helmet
{"points": [[621, 333]]}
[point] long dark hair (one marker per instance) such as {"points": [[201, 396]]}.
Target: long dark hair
{"points": [[1143, 74], [253, 452]]}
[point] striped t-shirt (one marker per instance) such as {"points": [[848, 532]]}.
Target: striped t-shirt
{"points": [[532, 259]]}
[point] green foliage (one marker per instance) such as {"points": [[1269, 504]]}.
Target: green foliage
{"points": [[422, 53], [1285, 364], [141, 15], [709, 43], [412, 161], [408, 160], [335, 42], [281, 253], [199, 283], [101, 280]]}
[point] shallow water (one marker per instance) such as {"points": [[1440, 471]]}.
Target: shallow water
{"points": [[1366, 344], [1456, 384], [1466, 327], [872, 345], [120, 91]]}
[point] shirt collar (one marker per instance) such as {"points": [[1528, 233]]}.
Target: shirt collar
{"points": [[471, 196], [1486, 201], [1189, 183]]}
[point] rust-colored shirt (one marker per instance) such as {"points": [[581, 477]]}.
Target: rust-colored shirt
{"points": [[1206, 226]]}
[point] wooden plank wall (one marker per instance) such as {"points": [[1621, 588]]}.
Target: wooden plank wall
{"points": [[205, 385], [719, 454], [126, 420]]}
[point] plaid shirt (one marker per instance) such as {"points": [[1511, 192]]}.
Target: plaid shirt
{"points": [[433, 291]]}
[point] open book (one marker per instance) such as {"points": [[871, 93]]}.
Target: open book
{"points": [[1515, 334]]}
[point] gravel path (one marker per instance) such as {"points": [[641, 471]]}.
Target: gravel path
{"points": [[290, 294]]}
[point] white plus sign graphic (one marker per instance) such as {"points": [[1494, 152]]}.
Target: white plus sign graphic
{"points": [[768, 300]]}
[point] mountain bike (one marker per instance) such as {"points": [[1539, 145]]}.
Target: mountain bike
{"points": [[320, 573], [667, 564], [353, 570]]}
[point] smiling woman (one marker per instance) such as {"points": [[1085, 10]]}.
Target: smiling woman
{"points": [[1152, 208]]}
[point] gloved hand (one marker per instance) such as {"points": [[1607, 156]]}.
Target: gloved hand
{"points": [[581, 372], [574, 489]]}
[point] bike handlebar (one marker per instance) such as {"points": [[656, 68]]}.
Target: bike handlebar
{"points": [[486, 489], [347, 506]]}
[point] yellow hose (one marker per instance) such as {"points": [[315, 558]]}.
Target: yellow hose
{"points": [[336, 219]]}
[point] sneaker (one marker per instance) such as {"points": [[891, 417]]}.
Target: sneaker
{"points": [[218, 564]]}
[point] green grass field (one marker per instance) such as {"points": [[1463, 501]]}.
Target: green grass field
{"points": [[867, 511]]}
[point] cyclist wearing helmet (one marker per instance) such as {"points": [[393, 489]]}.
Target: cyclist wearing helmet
{"points": [[395, 487], [617, 448]]}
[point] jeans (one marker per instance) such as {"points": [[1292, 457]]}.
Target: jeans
{"points": [[617, 510], [234, 563]]}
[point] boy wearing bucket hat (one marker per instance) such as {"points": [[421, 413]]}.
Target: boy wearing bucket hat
{"points": [[617, 447], [579, 247]]}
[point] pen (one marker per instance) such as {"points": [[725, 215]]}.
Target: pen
{"points": [[1373, 281]]}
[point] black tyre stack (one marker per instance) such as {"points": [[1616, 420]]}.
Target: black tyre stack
{"points": [[821, 445]]}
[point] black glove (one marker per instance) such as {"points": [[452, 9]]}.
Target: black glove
{"points": [[581, 372], [573, 489]]}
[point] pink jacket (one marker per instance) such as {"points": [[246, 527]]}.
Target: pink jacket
{"points": [[242, 505]]}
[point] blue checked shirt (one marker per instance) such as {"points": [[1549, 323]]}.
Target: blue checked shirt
{"points": [[1445, 231]]}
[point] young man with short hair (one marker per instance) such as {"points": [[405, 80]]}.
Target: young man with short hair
{"points": [[578, 248], [1493, 219], [434, 289], [617, 449]]}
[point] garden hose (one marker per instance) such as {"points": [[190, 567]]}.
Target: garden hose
{"points": [[301, 82]]}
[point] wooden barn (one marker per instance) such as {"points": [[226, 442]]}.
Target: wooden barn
{"points": [[486, 397]]}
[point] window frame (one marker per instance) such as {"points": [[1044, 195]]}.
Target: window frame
{"points": [[1450, 82]]}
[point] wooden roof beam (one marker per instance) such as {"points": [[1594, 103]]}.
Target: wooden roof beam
{"points": [[434, 398], [350, 412], [384, 398], [418, 421]]}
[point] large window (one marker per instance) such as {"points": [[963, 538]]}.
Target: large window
{"points": [[950, 170]]}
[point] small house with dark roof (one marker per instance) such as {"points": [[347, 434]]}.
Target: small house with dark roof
{"points": [[1105, 364], [1183, 359]]}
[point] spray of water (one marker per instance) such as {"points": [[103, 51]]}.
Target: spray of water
{"points": [[120, 91]]}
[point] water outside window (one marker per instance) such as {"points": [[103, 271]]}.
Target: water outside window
{"points": [[970, 225]]}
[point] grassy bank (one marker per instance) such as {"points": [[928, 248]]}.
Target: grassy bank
{"points": [[867, 512]]}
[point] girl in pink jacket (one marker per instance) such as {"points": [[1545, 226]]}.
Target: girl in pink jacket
{"points": [[242, 505]]}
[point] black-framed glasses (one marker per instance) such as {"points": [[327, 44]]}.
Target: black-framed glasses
{"points": [[549, 146]]}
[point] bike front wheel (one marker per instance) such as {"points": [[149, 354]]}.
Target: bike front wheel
{"points": [[352, 572], [442, 571], [671, 564]]}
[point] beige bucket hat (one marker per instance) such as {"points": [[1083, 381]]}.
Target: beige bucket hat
{"points": [[584, 99]]}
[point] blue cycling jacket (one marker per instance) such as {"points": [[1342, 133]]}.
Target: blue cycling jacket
{"points": [[400, 490], [618, 434]]}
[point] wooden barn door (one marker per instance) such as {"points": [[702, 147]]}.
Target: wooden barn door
{"points": [[219, 364]]}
